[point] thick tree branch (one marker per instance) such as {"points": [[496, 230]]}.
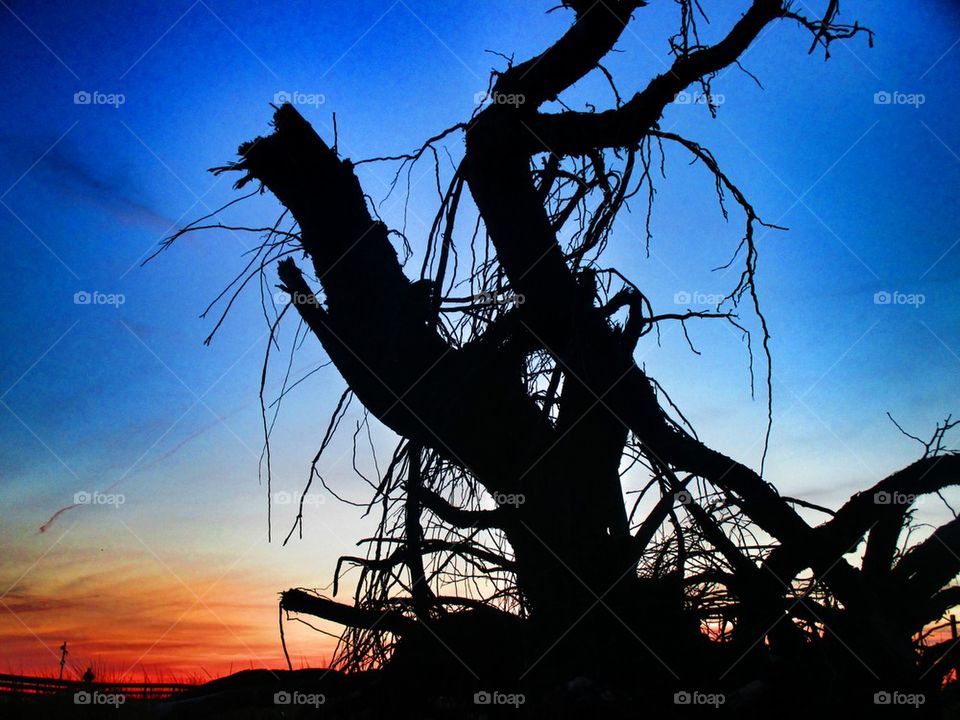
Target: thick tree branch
{"points": [[299, 601], [597, 27], [417, 387], [577, 133], [882, 508], [460, 518]]}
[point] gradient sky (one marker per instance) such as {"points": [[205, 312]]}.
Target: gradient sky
{"points": [[180, 578]]}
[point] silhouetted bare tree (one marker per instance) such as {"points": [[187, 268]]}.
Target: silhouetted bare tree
{"points": [[513, 385]]}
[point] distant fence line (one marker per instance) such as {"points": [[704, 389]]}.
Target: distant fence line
{"points": [[27, 685]]}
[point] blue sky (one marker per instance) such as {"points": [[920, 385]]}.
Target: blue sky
{"points": [[102, 395]]}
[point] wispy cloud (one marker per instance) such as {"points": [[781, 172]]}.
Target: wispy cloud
{"points": [[63, 169]]}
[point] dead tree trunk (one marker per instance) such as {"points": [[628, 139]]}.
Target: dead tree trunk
{"points": [[552, 462]]}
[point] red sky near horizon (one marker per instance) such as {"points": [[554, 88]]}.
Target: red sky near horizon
{"points": [[137, 615]]}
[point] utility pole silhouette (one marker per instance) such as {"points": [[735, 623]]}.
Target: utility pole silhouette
{"points": [[63, 657]]}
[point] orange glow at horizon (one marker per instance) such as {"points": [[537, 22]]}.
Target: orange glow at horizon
{"points": [[134, 617]]}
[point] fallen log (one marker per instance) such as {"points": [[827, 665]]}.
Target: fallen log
{"points": [[298, 600]]}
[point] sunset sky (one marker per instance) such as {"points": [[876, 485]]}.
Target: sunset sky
{"points": [[176, 575]]}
